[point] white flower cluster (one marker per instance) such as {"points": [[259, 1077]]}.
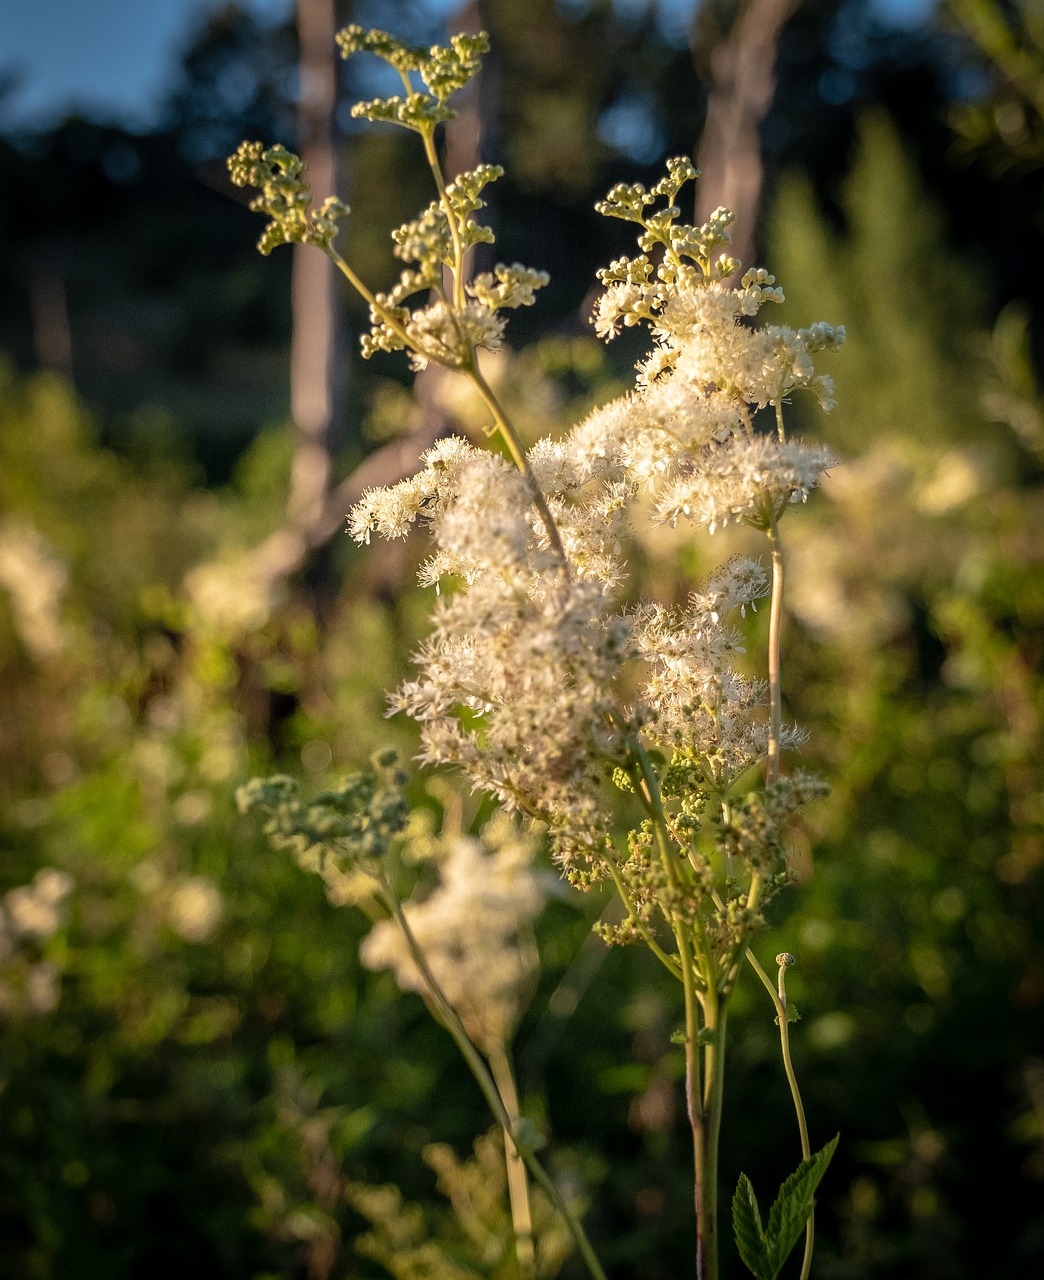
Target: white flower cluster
{"points": [[474, 930], [528, 679], [686, 432], [752, 479], [30, 916], [444, 335], [697, 702]]}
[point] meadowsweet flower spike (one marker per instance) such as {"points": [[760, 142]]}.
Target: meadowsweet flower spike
{"points": [[442, 69], [285, 198], [541, 683]]}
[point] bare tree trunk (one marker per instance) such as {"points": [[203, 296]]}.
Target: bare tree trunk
{"points": [[315, 356], [742, 85], [52, 334]]}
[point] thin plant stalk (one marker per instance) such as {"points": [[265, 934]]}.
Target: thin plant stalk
{"points": [[518, 1182], [779, 999], [706, 1253], [704, 1106], [518, 456], [487, 1084], [713, 1095], [458, 245], [775, 630]]}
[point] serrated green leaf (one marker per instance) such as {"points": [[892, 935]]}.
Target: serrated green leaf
{"points": [[795, 1201], [746, 1226], [792, 1013]]}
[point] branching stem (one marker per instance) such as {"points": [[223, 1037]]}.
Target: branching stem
{"points": [[779, 1000], [428, 137], [518, 456], [672, 966], [487, 1084]]}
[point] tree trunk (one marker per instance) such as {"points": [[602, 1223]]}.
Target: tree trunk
{"points": [[316, 360], [740, 92]]}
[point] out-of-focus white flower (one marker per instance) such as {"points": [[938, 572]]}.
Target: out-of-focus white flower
{"points": [[474, 930], [35, 910], [955, 481], [192, 807], [195, 908], [42, 987], [36, 581], [232, 596], [30, 915]]}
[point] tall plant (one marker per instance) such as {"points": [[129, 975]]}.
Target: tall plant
{"points": [[537, 682]]}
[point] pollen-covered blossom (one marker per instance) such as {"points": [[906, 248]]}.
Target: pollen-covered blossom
{"points": [[705, 327], [474, 931], [696, 701], [747, 479], [649, 434], [516, 689], [447, 336], [738, 584]]}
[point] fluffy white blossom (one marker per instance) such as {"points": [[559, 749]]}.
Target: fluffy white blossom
{"points": [[447, 335], [536, 681], [516, 688], [747, 479], [474, 930]]}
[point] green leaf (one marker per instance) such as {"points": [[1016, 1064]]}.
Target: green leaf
{"points": [[792, 1013], [746, 1226], [794, 1203], [765, 1250]]}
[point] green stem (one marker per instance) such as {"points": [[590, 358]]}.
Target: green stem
{"points": [[367, 295], [704, 1111], [694, 1103], [487, 1084], [779, 999], [518, 1183], [713, 1096], [518, 456], [428, 137], [775, 628], [781, 430]]}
